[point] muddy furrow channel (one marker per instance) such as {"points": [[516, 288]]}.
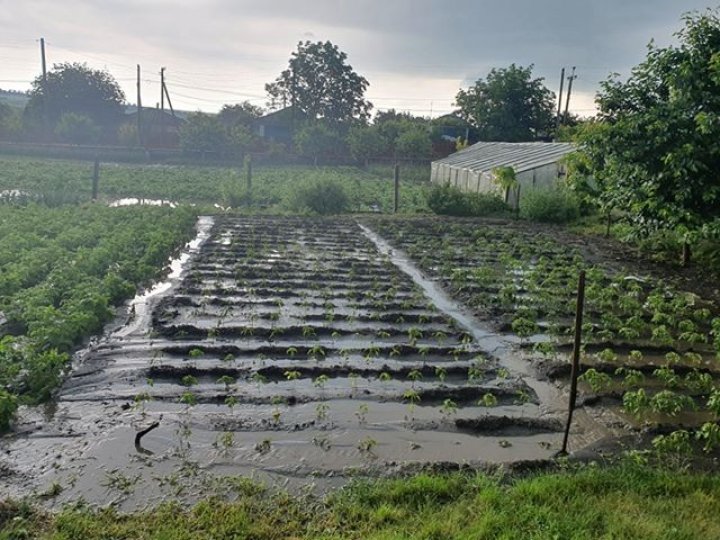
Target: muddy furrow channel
{"points": [[289, 348]]}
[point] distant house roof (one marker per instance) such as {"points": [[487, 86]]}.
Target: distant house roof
{"points": [[486, 156], [280, 117], [155, 113]]}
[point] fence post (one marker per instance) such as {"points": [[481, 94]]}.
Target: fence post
{"points": [[397, 188], [248, 172], [576, 358], [96, 178]]}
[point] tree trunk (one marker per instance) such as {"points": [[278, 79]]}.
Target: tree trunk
{"points": [[686, 254]]}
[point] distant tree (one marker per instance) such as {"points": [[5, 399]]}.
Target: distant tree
{"points": [[509, 105], [10, 122], [77, 129], [318, 140], [367, 142], [239, 114], [321, 85], [204, 133], [414, 143], [75, 88]]}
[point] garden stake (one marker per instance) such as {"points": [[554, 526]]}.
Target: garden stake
{"points": [[248, 163], [397, 187], [575, 358], [96, 178]]}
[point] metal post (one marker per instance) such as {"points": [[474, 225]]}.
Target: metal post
{"points": [[574, 373]]}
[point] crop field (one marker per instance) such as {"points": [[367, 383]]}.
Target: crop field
{"points": [[62, 273], [288, 348], [650, 349], [273, 188]]}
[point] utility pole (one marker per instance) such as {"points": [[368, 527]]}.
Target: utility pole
{"points": [[45, 88], [571, 78], [139, 109], [560, 96], [167, 95], [293, 90], [162, 91]]}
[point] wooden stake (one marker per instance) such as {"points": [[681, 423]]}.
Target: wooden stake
{"points": [[576, 358], [248, 166], [397, 188], [96, 178]]}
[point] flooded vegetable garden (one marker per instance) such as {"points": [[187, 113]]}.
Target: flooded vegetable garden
{"points": [[292, 348]]}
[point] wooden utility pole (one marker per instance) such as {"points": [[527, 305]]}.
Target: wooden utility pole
{"points": [[139, 109], [162, 91], [45, 88], [560, 96], [167, 95], [571, 78], [574, 373]]}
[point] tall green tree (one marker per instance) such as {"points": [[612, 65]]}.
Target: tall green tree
{"points": [[655, 151], [239, 114], [75, 88], [321, 84], [509, 105]]}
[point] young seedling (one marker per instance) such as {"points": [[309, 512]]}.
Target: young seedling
{"points": [[367, 445], [488, 400], [441, 373], [227, 380], [321, 411], [362, 412], [449, 407], [321, 380]]}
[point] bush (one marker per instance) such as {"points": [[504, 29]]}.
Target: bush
{"points": [[554, 205], [450, 201], [8, 406], [77, 129], [323, 197]]}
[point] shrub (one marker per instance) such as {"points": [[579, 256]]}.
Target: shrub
{"points": [[8, 406], [323, 197], [549, 205], [77, 129], [450, 201]]}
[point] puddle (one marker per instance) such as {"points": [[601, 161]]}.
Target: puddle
{"points": [[133, 201], [139, 307]]}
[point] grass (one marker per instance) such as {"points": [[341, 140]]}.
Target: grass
{"points": [[622, 501], [272, 187]]}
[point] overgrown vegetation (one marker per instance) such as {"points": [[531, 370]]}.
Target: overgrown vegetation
{"points": [[552, 205], [450, 201], [61, 272], [624, 501]]}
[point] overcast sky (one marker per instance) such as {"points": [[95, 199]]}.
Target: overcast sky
{"points": [[415, 53]]}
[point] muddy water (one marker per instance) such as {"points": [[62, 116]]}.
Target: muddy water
{"points": [[292, 350]]}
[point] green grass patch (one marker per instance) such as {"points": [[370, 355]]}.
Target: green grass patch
{"points": [[624, 501]]}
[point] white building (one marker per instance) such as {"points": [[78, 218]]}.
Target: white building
{"points": [[536, 165]]}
